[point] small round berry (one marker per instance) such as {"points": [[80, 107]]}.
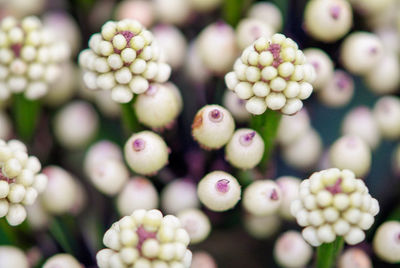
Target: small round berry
{"points": [[322, 64], [219, 191], [384, 77], [245, 149], [354, 257], [267, 12], [291, 250], [262, 198], [196, 223], [338, 91], [387, 115], [146, 152], [290, 191], [179, 195], [13, 257], [351, 152], [62, 261], [328, 21], [213, 126], [386, 242], [98, 153]]}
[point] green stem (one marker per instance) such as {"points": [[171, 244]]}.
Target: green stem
{"points": [[26, 114], [7, 235], [328, 252], [267, 125], [129, 118], [232, 11], [58, 231]]}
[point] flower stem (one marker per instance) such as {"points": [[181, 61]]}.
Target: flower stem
{"points": [[129, 119], [327, 253], [58, 231], [26, 114], [232, 10]]}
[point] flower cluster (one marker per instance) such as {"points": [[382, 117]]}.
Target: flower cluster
{"points": [[30, 58], [272, 74], [145, 239], [123, 58], [334, 203], [20, 180]]}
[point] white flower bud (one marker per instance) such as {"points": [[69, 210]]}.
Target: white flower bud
{"points": [[291, 250], [354, 257], [196, 223], [384, 78], [387, 115], [62, 261], [173, 11], [386, 242], [13, 257], [262, 198], [338, 91], [202, 259], [290, 191], [261, 227], [267, 12], [179, 195], [250, 29]]}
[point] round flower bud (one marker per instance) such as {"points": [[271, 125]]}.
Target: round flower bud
{"points": [[250, 29], [384, 77], [196, 223], [219, 191], [261, 227], [293, 128], [213, 127], [76, 124], [360, 52], [334, 203], [98, 153], [202, 259], [290, 191], [5, 126], [179, 195], [291, 250], [354, 257], [216, 46], [304, 153], [262, 198], [236, 106], [338, 91], [386, 242], [172, 11], [159, 106], [328, 21], [370, 7], [267, 12], [389, 37], [322, 64], [351, 152], [145, 237], [61, 192], [387, 115], [13, 257], [245, 149], [37, 216], [360, 122], [137, 193], [272, 73], [146, 152], [194, 67], [140, 10], [172, 43], [62, 261]]}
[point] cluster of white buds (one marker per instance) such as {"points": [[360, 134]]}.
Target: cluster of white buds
{"points": [[20, 180], [334, 203], [272, 73], [146, 239], [29, 58], [123, 58]]}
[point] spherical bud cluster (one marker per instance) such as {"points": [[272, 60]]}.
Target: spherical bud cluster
{"points": [[5, 126], [137, 193], [123, 58], [387, 242], [140, 10], [172, 43], [196, 223], [338, 91], [145, 239], [146, 152], [179, 195], [76, 124], [245, 149], [272, 73], [267, 12], [290, 191], [360, 122], [20, 181], [292, 251], [217, 48], [61, 192], [354, 257], [322, 64], [351, 152], [261, 227], [62, 261], [219, 191], [292, 128], [334, 203], [328, 21], [213, 127], [172, 11], [387, 115], [250, 29], [262, 198], [194, 67], [202, 259], [360, 52], [371, 7], [29, 58], [236, 106], [13, 257], [159, 106], [384, 77]]}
